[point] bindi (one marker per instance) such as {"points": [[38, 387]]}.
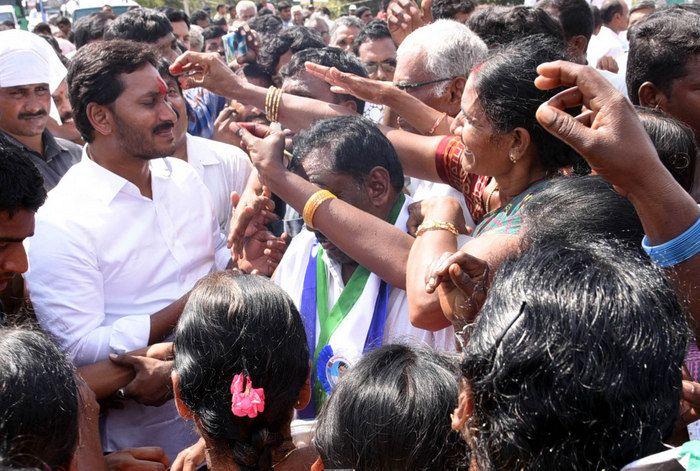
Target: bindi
{"points": [[162, 87]]}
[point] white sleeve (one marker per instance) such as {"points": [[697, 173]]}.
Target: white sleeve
{"points": [[67, 291]]}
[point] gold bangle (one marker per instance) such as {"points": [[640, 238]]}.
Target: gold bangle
{"points": [[269, 99], [437, 123], [436, 226], [313, 203], [276, 105]]}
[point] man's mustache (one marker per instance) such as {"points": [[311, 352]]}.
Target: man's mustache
{"points": [[164, 126], [38, 114]]}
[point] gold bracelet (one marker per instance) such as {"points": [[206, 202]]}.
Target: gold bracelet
{"points": [[276, 105], [313, 203], [436, 226], [437, 123], [269, 98]]}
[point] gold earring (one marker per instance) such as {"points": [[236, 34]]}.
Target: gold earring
{"points": [[511, 156]]}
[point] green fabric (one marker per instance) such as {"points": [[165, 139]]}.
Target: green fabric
{"points": [[693, 450], [330, 320]]}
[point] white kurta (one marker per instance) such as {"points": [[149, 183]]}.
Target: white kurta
{"points": [[104, 258]]}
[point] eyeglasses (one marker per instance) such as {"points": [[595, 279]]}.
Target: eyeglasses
{"points": [[387, 66], [409, 86]]}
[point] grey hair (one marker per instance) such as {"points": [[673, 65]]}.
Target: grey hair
{"points": [[448, 49], [196, 38], [313, 20], [350, 21], [244, 4]]}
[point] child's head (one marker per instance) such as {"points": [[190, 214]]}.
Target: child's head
{"points": [[242, 327], [392, 412], [38, 400]]}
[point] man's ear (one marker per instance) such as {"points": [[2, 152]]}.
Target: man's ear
{"points": [[350, 104], [577, 46], [101, 118], [457, 89], [651, 97], [182, 409], [378, 184]]}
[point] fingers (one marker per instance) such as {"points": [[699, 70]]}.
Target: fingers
{"points": [[149, 453], [129, 361], [461, 279], [566, 74], [691, 393], [256, 129], [565, 127], [435, 276], [235, 199], [317, 70]]}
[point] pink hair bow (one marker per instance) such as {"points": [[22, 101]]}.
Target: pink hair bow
{"points": [[245, 399]]}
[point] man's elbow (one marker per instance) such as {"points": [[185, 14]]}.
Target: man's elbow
{"points": [[427, 317]]}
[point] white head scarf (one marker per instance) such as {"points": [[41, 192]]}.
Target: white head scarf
{"points": [[25, 58]]}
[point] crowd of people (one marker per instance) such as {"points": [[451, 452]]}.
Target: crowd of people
{"points": [[435, 237]]}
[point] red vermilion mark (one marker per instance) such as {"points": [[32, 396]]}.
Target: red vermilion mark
{"points": [[162, 87]]}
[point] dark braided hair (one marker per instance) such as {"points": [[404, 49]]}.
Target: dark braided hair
{"points": [[241, 324]]}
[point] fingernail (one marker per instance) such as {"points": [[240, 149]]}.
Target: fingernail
{"points": [[113, 356], [546, 115]]}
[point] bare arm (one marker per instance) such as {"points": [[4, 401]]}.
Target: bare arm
{"points": [[603, 137], [164, 321]]}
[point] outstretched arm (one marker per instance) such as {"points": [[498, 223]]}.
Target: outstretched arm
{"points": [[603, 136]]}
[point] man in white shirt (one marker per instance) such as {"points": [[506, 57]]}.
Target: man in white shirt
{"points": [[609, 42], [118, 244], [353, 160]]}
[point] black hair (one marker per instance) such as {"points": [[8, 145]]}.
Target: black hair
{"points": [[361, 11], [8, 23], [643, 5], [373, 31], [448, 9], [597, 19], [326, 11], [660, 48], [141, 25], [21, 184], [498, 26], [91, 28], [609, 9], [575, 359], [220, 22], [674, 142], [42, 28], [264, 11], [213, 32], [199, 15], [62, 20], [253, 70], [241, 324], [175, 16], [295, 39], [392, 411], [505, 86], [220, 5], [266, 25], [93, 76], [39, 402], [283, 5], [585, 207], [353, 146], [575, 16], [330, 57]]}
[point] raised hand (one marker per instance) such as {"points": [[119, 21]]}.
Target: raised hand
{"points": [[265, 148], [609, 135], [373, 91], [205, 69], [403, 17], [191, 458]]}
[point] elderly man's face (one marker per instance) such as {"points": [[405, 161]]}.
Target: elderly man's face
{"points": [[410, 72], [245, 14], [379, 58], [24, 110], [343, 38]]}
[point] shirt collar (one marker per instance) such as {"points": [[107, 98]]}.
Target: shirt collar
{"points": [[105, 185], [51, 146]]}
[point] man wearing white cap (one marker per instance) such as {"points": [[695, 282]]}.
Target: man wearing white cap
{"points": [[30, 71]]}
